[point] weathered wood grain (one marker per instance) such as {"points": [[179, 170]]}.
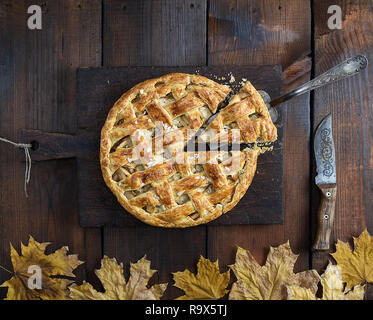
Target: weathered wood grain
{"points": [[37, 90], [350, 102], [258, 32], [156, 33], [166, 41], [261, 32]]}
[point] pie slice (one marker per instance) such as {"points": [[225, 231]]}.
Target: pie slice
{"points": [[244, 119], [142, 142]]}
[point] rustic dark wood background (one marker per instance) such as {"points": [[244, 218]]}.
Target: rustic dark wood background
{"points": [[38, 91]]}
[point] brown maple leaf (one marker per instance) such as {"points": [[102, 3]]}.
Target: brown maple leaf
{"points": [[32, 259], [357, 265], [207, 284], [115, 285], [268, 282], [332, 285]]}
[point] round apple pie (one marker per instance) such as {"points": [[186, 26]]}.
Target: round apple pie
{"points": [[142, 154]]}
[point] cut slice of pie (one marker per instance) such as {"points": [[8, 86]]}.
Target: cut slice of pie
{"points": [[142, 142], [247, 113]]}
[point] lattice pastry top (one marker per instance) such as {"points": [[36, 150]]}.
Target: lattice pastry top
{"points": [[142, 141]]}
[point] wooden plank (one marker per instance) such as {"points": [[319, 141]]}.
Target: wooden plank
{"points": [[169, 250], [97, 205], [128, 40], [261, 32], [350, 103], [154, 33], [38, 91], [258, 32]]}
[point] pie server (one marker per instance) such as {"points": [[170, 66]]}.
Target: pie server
{"points": [[326, 181], [341, 71]]}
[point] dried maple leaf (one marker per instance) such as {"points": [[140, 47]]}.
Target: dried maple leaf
{"points": [[357, 265], [268, 282], [115, 285], [332, 284], [207, 284], [58, 263]]}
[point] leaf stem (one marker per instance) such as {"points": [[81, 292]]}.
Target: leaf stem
{"points": [[6, 269], [14, 273]]}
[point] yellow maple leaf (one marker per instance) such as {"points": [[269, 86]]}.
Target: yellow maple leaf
{"points": [[207, 284], [33, 255], [332, 285], [357, 265], [115, 285], [268, 282]]}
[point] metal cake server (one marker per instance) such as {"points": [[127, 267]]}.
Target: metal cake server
{"points": [[341, 71], [326, 180]]}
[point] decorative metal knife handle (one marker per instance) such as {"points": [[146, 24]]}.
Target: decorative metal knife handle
{"points": [[325, 217], [345, 69]]}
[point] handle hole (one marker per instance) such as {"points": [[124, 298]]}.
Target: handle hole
{"points": [[34, 145]]}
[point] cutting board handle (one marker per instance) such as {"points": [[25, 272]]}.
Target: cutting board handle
{"points": [[51, 146]]}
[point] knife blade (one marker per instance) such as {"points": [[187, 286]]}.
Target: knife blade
{"points": [[326, 181]]}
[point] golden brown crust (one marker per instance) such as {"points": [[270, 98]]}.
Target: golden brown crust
{"points": [[247, 112], [170, 193]]}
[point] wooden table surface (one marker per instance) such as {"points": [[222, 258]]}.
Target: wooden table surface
{"points": [[38, 91]]}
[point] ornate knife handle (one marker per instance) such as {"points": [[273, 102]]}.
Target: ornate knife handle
{"points": [[341, 71]]}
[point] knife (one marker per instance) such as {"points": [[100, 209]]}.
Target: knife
{"points": [[326, 180]]}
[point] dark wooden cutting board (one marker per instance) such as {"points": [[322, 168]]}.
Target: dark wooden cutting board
{"points": [[99, 88]]}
